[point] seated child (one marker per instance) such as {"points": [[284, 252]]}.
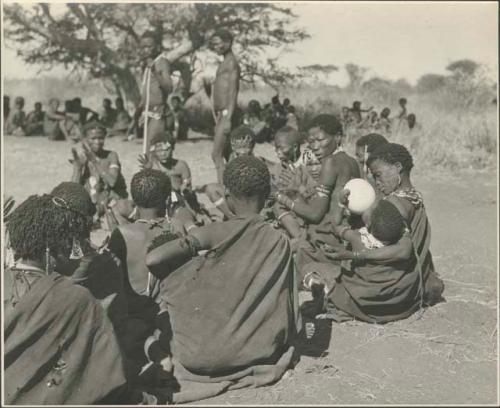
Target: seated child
{"points": [[150, 190], [16, 121], [99, 170], [34, 121], [53, 122], [161, 158], [242, 141]]}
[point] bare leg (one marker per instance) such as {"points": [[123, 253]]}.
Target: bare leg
{"points": [[155, 128], [220, 147]]}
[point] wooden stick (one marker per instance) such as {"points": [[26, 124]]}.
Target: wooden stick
{"points": [[146, 111]]}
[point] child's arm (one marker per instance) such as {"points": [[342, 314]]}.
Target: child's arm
{"points": [[215, 193], [186, 175], [78, 165]]}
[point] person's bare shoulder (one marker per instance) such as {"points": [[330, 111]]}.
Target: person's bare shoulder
{"points": [[181, 165], [404, 206]]}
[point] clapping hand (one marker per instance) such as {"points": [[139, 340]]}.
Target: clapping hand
{"points": [[78, 161], [145, 162]]}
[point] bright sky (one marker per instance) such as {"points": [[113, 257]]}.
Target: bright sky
{"points": [[394, 39]]}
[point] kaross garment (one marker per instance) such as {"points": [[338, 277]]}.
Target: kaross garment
{"points": [[60, 347], [233, 312]]}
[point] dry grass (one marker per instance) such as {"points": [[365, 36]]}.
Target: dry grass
{"points": [[455, 134]]}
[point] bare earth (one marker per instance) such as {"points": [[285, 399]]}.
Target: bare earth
{"points": [[447, 355]]}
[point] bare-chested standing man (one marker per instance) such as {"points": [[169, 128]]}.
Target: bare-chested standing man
{"points": [[157, 81], [224, 97]]}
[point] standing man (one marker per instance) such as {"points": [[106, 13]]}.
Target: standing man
{"points": [[155, 87], [157, 82], [224, 97]]}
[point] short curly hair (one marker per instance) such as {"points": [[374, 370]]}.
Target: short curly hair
{"points": [[247, 176], [76, 196], [371, 141], [242, 135], [392, 153], [387, 223], [42, 222], [150, 188]]}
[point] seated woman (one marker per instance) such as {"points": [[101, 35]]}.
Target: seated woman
{"points": [[292, 178], [233, 311], [60, 347], [324, 137], [369, 288], [390, 165]]}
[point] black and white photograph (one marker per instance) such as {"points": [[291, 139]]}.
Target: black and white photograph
{"points": [[290, 203]]}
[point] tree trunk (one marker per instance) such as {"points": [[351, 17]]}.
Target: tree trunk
{"points": [[127, 82]]}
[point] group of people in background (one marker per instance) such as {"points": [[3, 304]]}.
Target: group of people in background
{"points": [[68, 123], [355, 122], [184, 301]]}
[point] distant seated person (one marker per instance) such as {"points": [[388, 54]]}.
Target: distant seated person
{"points": [[412, 122], [16, 122], [356, 111], [35, 120], [180, 119], [286, 104], [72, 128], [384, 124], [98, 169], [253, 119], [108, 114], [6, 108], [123, 119], [54, 121], [85, 115], [370, 121], [402, 111], [161, 158], [291, 118]]}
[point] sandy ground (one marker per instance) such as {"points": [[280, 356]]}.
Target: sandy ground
{"points": [[447, 355]]}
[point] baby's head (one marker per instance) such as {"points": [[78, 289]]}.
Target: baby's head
{"points": [[384, 222]]}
